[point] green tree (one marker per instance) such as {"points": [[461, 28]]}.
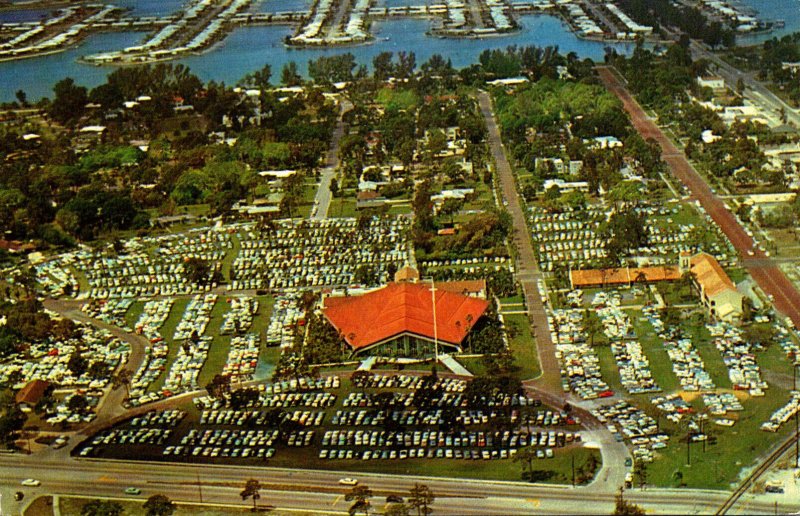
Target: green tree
{"points": [[397, 509], [159, 505], [421, 498], [592, 325], [360, 496], [69, 102], [290, 76], [101, 508], [251, 490], [260, 78], [197, 270], [626, 508]]}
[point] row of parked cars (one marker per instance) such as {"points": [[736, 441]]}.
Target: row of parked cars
{"points": [[296, 254], [739, 357], [440, 439], [571, 238], [580, 365], [149, 266], [627, 422], [687, 364], [783, 414]]}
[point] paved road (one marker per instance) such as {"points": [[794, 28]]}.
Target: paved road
{"points": [[110, 407], [323, 197], [763, 270], [731, 74], [319, 490], [526, 266]]}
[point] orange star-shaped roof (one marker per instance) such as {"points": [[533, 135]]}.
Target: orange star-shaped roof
{"points": [[403, 308]]}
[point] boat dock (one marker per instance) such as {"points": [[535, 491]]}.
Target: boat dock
{"points": [[202, 23]]}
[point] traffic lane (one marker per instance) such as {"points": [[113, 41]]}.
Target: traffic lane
{"points": [[180, 483]]}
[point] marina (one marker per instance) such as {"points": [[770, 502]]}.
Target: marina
{"points": [[201, 23]]}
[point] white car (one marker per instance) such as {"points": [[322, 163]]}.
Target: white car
{"points": [[31, 482], [348, 481]]}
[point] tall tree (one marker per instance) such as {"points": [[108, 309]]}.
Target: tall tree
{"points": [[69, 102], [159, 505], [626, 508], [421, 499], [101, 508], [251, 490], [360, 496], [290, 76]]}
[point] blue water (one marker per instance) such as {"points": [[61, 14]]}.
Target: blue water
{"points": [[37, 76], [150, 7], [786, 10], [401, 3], [247, 49], [24, 15], [277, 6]]}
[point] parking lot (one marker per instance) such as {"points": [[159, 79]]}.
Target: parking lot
{"points": [[323, 419]]}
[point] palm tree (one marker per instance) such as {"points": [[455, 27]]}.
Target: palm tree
{"points": [[421, 499], [251, 490], [123, 379], [525, 456], [360, 496], [592, 325], [159, 505]]}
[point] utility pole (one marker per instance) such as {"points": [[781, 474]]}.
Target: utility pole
{"points": [[573, 466], [689, 448], [435, 326]]}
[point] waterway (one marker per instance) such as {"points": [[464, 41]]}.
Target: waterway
{"points": [[249, 48], [786, 10]]}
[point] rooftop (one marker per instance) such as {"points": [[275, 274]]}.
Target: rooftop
{"points": [[403, 308]]}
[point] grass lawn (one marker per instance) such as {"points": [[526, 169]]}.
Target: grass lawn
{"points": [[342, 207], [230, 256], [70, 506], [709, 353], [220, 344], [504, 469], [43, 506], [400, 209], [737, 447], [524, 347], [168, 331], [653, 347], [513, 300], [475, 365], [609, 369], [133, 313]]}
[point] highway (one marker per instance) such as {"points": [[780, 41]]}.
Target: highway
{"points": [[732, 75], [319, 491]]}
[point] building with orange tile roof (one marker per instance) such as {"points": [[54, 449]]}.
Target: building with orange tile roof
{"points": [[717, 291], [622, 276], [398, 319]]}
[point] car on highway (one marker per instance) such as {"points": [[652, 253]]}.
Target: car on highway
{"points": [[347, 481], [133, 490], [31, 482]]}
